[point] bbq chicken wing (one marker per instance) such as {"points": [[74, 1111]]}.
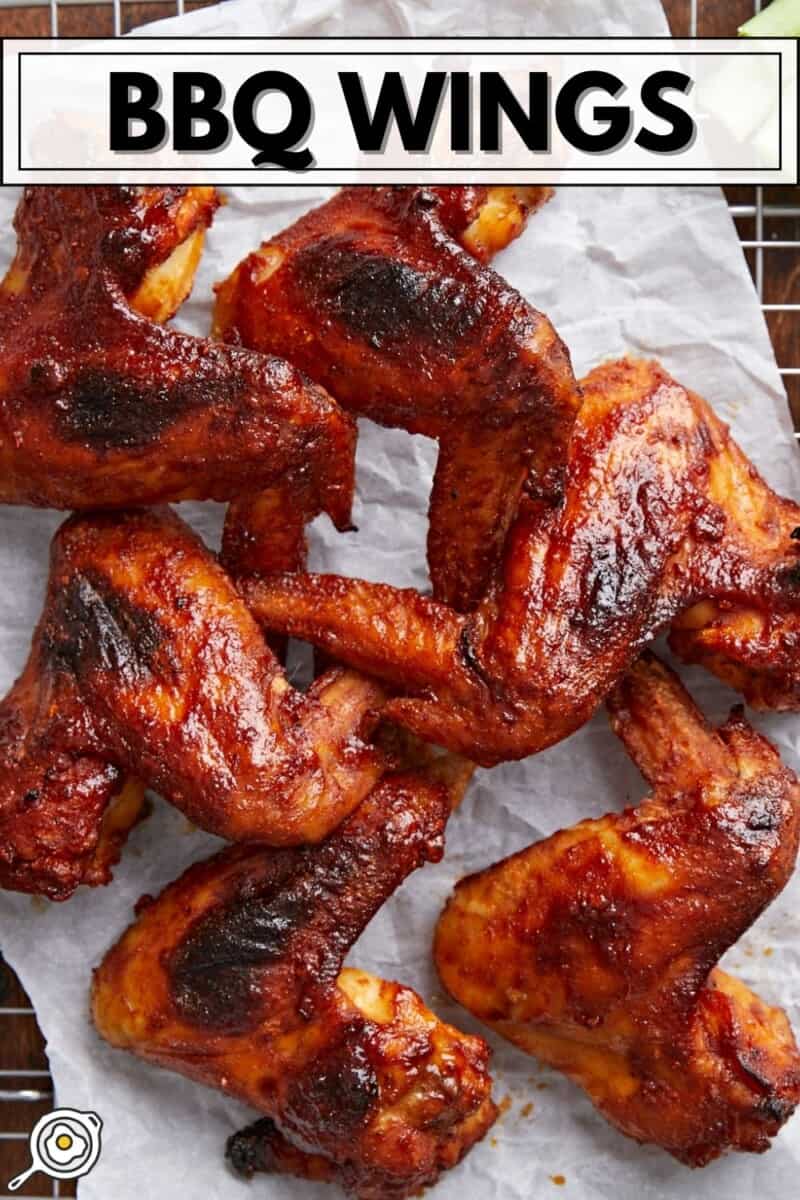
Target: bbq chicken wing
{"points": [[147, 662], [663, 520], [383, 296], [233, 977], [596, 949], [102, 406]]}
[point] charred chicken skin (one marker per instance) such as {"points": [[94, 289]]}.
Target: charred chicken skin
{"points": [[102, 406], [663, 520], [596, 949], [147, 662], [383, 296], [233, 977]]}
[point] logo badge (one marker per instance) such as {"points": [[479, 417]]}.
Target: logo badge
{"points": [[64, 1144]]}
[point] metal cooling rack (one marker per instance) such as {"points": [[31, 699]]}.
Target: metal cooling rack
{"points": [[762, 213], [33, 1087], [117, 10]]}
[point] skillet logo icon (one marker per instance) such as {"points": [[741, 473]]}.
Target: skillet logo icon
{"points": [[65, 1144]]}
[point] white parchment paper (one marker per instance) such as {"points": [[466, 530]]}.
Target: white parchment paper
{"points": [[648, 271]]}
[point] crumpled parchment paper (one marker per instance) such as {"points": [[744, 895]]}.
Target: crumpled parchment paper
{"points": [[653, 271]]}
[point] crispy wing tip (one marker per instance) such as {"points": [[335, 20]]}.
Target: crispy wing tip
{"points": [[596, 948]]}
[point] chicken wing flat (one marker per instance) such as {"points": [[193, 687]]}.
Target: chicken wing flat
{"points": [[101, 406], [663, 519], [383, 296], [147, 662], [233, 977], [596, 949]]}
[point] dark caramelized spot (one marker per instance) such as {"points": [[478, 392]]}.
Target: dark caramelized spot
{"points": [[305, 912], [791, 576], [93, 627], [111, 412], [468, 655], [755, 818], [336, 1093], [250, 1149], [385, 300], [618, 572], [211, 970], [775, 1108]]}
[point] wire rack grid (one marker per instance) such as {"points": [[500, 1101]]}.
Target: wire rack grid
{"points": [[33, 1087]]}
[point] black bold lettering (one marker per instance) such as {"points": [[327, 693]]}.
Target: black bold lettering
{"points": [[497, 97], [393, 105], [188, 107], [682, 128], [460, 111], [124, 108], [618, 119], [275, 147]]}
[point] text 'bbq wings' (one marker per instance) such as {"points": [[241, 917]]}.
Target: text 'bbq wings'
{"points": [[233, 976], [146, 661], [596, 949], [102, 406], [663, 519], [382, 296]]}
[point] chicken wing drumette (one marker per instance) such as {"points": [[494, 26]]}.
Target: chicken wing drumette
{"points": [[102, 406], [383, 296], [146, 661], [233, 976], [663, 520], [596, 949]]}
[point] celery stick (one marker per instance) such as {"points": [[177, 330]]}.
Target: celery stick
{"points": [[780, 19]]}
